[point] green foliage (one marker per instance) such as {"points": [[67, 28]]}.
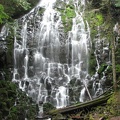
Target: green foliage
{"points": [[92, 63], [91, 117], [111, 100], [99, 18], [23, 3], [70, 13], [14, 104], [113, 104], [3, 15], [108, 110], [14, 8], [117, 3], [118, 68], [7, 97], [95, 19], [67, 15], [102, 68]]}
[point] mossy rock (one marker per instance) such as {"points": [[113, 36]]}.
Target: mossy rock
{"points": [[95, 18], [102, 68], [14, 104], [92, 63], [58, 117], [67, 15], [47, 107]]}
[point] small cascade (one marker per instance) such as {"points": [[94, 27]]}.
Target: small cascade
{"points": [[97, 85], [3, 35], [78, 49], [37, 66], [101, 53], [3, 50], [4, 32]]}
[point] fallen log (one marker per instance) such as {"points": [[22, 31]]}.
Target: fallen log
{"points": [[81, 106]]}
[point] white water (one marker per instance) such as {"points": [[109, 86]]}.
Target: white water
{"points": [[38, 67], [79, 38], [101, 50]]}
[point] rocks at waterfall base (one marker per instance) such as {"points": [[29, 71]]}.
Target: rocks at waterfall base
{"points": [[14, 104]]}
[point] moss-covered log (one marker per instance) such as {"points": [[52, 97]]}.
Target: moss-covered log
{"points": [[82, 106]]}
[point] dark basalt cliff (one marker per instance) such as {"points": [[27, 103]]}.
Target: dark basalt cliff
{"points": [[14, 11]]}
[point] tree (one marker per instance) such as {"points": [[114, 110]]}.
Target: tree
{"points": [[113, 62], [3, 15], [112, 37]]}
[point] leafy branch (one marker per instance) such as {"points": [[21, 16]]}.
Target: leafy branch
{"points": [[3, 15]]}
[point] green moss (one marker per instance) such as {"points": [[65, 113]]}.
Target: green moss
{"points": [[11, 95], [111, 100], [67, 15], [58, 117], [48, 107], [53, 112], [99, 19], [92, 63], [3, 15], [70, 12], [109, 110], [102, 68], [118, 69], [91, 117], [95, 19]]}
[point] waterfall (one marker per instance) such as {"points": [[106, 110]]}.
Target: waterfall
{"points": [[79, 38], [39, 69], [101, 50]]}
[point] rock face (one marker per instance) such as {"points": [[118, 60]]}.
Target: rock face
{"points": [[6, 38], [6, 55]]}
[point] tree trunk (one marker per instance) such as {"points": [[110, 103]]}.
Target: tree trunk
{"points": [[112, 39], [113, 63]]}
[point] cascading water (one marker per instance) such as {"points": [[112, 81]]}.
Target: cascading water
{"points": [[38, 67], [79, 43], [101, 49]]}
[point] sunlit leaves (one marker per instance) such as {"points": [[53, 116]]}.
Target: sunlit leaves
{"points": [[3, 15], [117, 3], [24, 4]]}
